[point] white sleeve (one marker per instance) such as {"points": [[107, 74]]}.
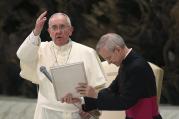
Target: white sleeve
{"points": [[28, 55], [35, 39], [95, 73], [28, 51]]}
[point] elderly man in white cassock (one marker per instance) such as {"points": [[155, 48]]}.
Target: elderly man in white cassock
{"points": [[61, 50]]}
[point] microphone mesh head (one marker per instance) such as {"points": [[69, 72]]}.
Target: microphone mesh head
{"points": [[42, 68]]}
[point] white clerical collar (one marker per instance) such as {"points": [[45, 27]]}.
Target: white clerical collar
{"points": [[64, 47], [128, 52]]}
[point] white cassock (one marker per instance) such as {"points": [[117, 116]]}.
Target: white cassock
{"points": [[47, 54]]}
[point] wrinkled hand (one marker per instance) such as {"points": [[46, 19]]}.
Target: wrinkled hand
{"points": [[40, 23], [86, 90], [68, 98]]}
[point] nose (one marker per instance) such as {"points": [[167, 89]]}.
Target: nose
{"points": [[59, 30]]}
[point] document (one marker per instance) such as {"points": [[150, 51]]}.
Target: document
{"points": [[65, 79]]}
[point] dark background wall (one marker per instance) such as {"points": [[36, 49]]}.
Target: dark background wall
{"points": [[149, 26]]}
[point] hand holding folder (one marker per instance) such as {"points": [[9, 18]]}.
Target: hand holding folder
{"points": [[65, 79]]}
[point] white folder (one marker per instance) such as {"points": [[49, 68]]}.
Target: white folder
{"points": [[65, 79]]}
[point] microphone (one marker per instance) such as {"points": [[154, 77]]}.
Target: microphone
{"points": [[45, 72]]}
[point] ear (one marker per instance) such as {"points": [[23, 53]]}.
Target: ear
{"points": [[71, 30], [49, 31], [117, 48]]}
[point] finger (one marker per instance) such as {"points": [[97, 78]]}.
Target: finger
{"points": [[82, 113], [39, 20], [70, 99], [76, 100], [42, 20], [41, 23], [83, 94], [67, 99], [42, 15], [62, 100], [68, 95], [80, 88], [81, 91], [82, 84]]}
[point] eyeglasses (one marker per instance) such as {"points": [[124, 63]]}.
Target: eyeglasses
{"points": [[109, 58], [60, 27]]}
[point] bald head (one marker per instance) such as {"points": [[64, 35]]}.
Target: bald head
{"points": [[110, 41]]}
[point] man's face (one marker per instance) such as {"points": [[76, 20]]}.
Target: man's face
{"points": [[59, 30], [114, 57]]}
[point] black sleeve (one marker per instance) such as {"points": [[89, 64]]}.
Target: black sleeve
{"points": [[114, 85], [91, 103], [132, 90]]}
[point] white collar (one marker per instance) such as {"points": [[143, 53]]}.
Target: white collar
{"points": [[64, 47], [128, 52]]}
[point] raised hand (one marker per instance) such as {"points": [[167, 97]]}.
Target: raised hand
{"points": [[40, 23]]}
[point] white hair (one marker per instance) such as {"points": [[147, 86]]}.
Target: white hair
{"points": [[58, 14], [110, 41]]}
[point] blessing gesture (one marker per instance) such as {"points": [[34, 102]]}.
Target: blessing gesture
{"points": [[40, 23]]}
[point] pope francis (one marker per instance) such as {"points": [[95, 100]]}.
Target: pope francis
{"points": [[61, 50]]}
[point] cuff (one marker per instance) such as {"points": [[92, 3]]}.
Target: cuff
{"points": [[34, 39], [82, 100], [90, 104]]}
